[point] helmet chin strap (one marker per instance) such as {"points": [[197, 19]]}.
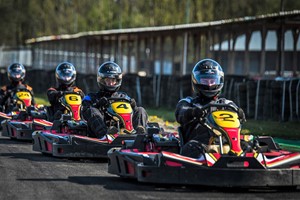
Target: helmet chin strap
{"points": [[106, 93], [63, 86], [204, 99]]}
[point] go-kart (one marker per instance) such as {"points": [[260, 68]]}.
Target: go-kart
{"points": [[24, 119], [68, 137], [229, 160]]}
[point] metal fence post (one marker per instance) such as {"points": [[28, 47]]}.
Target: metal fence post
{"points": [[257, 99]]}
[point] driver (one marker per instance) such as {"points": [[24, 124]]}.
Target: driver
{"points": [[109, 79], [207, 83], [16, 74], [65, 75]]}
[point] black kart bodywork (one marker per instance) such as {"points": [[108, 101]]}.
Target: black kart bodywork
{"points": [[18, 122], [21, 125], [230, 160], [69, 137], [171, 168], [74, 146]]}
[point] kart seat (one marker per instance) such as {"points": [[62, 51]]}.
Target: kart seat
{"points": [[213, 148]]}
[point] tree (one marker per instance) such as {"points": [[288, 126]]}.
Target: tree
{"points": [[24, 19]]}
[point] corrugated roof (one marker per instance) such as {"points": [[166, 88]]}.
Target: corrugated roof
{"points": [[163, 28]]}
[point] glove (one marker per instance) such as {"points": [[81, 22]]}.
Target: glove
{"points": [[30, 108], [133, 103], [198, 112], [59, 94], [241, 115], [69, 89], [57, 115], [103, 102], [9, 94]]}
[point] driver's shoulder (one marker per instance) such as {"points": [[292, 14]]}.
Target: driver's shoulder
{"points": [[224, 101], [28, 87], [4, 87], [92, 95], [187, 99]]}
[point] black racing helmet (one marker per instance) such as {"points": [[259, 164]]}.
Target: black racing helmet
{"points": [[65, 74], [106, 71], [207, 78], [16, 72]]}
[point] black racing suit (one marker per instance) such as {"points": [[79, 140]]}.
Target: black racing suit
{"points": [[193, 133], [96, 118], [7, 93], [56, 109]]}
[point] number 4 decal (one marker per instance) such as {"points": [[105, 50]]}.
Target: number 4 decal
{"points": [[123, 105]]}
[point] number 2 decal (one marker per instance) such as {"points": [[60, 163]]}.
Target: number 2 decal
{"points": [[227, 117]]}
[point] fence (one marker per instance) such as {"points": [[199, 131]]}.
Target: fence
{"points": [[8, 55], [262, 99], [268, 99]]}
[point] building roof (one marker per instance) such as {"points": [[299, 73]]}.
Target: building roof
{"points": [[243, 20]]}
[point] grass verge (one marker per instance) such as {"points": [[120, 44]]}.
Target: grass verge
{"points": [[287, 130], [41, 99]]}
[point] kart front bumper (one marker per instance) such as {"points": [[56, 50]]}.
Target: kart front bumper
{"points": [[17, 130], [153, 169], [72, 146]]}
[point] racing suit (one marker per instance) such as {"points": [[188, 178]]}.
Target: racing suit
{"points": [[56, 109], [96, 118], [195, 136], [7, 93]]}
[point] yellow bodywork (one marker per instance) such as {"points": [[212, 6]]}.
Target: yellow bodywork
{"points": [[226, 119]]}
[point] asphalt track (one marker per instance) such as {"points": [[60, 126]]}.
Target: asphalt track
{"points": [[25, 174]]}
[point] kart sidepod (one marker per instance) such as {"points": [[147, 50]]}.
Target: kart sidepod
{"points": [[228, 160], [262, 169], [75, 145], [20, 126], [68, 136]]}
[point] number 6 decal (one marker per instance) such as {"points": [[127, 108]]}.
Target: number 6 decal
{"points": [[73, 98]]}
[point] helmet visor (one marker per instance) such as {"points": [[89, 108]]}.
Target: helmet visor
{"points": [[110, 81], [207, 78], [66, 74], [16, 75], [17, 72], [210, 81]]}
